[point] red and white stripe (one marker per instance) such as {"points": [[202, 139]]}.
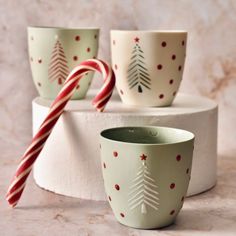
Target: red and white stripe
{"points": [[99, 102]]}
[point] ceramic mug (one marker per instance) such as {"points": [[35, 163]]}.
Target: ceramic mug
{"points": [[146, 173], [54, 52], [148, 65]]}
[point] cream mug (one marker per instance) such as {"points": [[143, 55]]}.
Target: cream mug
{"points": [[148, 65]]}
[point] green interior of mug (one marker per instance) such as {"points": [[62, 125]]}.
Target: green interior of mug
{"points": [[147, 135]]}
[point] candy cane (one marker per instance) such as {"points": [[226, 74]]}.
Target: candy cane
{"points": [[99, 102]]}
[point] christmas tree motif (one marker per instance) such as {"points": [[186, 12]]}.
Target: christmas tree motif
{"points": [[143, 191], [137, 73], [58, 69]]}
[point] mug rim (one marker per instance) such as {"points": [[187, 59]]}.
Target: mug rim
{"points": [[191, 135], [150, 31], [61, 28]]}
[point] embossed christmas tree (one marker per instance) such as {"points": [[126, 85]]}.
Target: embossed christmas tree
{"points": [[143, 190], [137, 73], [58, 69]]}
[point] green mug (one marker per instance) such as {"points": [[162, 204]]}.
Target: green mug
{"points": [[146, 173], [54, 52]]}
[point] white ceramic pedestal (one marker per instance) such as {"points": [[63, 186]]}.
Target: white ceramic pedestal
{"points": [[70, 161]]}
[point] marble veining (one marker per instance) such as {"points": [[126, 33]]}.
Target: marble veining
{"points": [[210, 70], [210, 65], [43, 213]]}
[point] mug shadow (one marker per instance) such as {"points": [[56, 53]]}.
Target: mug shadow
{"points": [[206, 220], [218, 217]]}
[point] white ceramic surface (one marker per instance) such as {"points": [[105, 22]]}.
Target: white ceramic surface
{"points": [[77, 150], [148, 65]]}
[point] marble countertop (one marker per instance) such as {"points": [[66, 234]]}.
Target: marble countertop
{"points": [[43, 213], [210, 71]]}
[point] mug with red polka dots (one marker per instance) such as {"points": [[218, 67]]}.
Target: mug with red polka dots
{"points": [[54, 52], [148, 65], [146, 172]]}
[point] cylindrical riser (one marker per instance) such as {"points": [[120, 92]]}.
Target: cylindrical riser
{"points": [[70, 161]]}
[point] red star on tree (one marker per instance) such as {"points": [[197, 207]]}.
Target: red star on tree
{"points": [[136, 40], [143, 157]]}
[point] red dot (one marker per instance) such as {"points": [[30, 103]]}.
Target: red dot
{"points": [[104, 165], [179, 68], [183, 43], [159, 67], [122, 215], [163, 44], [172, 212], [174, 93], [187, 171], [75, 58], [114, 42], [115, 154], [39, 84], [109, 198], [88, 49], [178, 157], [173, 57], [77, 38], [121, 91], [172, 186], [117, 187], [171, 81], [161, 96], [182, 199], [39, 60], [116, 67]]}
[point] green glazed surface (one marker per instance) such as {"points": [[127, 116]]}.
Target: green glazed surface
{"points": [[146, 173], [54, 52]]}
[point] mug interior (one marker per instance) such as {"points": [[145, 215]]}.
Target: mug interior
{"points": [[147, 135]]}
